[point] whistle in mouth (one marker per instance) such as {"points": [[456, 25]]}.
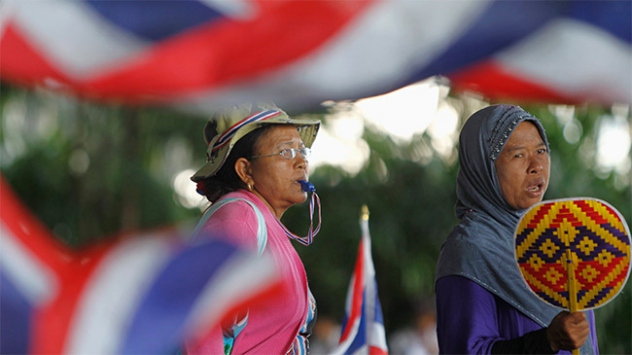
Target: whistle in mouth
{"points": [[307, 186]]}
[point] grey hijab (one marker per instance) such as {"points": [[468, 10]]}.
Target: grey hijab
{"points": [[481, 246]]}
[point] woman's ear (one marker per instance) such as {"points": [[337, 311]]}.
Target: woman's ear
{"points": [[242, 168]]}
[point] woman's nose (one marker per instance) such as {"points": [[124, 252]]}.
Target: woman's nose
{"points": [[301, 161], [535, 166]]}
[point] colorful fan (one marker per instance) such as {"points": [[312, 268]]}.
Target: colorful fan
{"points": [[574, 253]]}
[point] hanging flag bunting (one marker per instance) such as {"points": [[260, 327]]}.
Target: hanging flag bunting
{"points": [[195, 54], [363, 324], [144, 294]]}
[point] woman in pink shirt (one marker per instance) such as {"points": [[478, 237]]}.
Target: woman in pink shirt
{"points": [[256, 169]]}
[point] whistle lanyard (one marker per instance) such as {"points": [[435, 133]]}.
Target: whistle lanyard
{"points": [[314, 202]]}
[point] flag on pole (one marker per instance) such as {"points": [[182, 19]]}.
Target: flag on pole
{"points": [[363, 324], [145, 294]]}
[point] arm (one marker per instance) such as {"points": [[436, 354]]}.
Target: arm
{"points": [[469, 321], [535, 342], [567, 331]]}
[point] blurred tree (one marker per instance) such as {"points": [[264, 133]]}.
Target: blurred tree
{"points": [[89, 171], [86, 170]]}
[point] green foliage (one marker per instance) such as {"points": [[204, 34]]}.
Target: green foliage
{"points": [[132, 154], [89, 177]]}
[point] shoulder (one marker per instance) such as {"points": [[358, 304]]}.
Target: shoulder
{"points": [[233, 219], [476, 223], [239, 205], [236, 209], [461, 286]]}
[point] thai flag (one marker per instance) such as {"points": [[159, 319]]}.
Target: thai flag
{"points": [[140, 295], [363, 325], [198, 53]]}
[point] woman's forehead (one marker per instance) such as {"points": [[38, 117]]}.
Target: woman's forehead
{"points": [[279, 135], [526, 132]]}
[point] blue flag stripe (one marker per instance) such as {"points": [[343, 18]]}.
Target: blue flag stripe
{"points": [[140, 17]]}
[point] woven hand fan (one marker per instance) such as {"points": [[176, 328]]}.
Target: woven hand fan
{"points": [[574, 253]]}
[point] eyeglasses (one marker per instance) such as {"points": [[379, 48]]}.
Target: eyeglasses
{"points": [[288, 153]]}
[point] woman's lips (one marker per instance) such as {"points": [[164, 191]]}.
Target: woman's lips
{"points": [[535, 187]]}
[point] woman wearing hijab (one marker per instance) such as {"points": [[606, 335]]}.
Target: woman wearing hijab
{"points": [[256, 169], [483, 304]]}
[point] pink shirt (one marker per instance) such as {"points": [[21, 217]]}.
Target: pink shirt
{"points": [[272, 327]]}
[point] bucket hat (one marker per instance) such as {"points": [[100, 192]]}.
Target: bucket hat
{"points": [[235, 121]]}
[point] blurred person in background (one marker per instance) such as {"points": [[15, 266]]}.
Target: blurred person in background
{"points": [[256, 169], [483, 304], [325, 337], [421, 338]]}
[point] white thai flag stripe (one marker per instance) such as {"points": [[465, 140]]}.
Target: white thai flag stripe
{"points": [[103, 46], [35, 280], [557, 55], [112, 295]]}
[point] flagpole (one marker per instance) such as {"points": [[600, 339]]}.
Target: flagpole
{"points": [[370, 293], [364, 220], [365, 212]]}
